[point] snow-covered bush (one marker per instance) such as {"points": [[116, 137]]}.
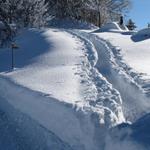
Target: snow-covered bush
{"points": [[24, 12], [7, 32]]}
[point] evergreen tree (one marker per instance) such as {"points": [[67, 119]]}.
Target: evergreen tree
{"points": [[131, 25]]}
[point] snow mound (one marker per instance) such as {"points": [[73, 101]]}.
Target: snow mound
{"points": [[145, 32], [141, 35], [113, 26], [135, 136]]}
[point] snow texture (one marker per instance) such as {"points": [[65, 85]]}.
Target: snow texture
{"points": [[75, 89], [112, 26]]}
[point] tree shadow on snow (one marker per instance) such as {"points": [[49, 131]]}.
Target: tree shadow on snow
{"points": [[32, 43]]}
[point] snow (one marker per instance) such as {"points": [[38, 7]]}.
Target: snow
{"points": [[60, 118], [134, 136], [55, 80], [143, 32], [112, 26], [75, 89], [110, 65], [141, 35], [136, 54], [133, 55], [62, 63], [55, 66], [18, 131]]}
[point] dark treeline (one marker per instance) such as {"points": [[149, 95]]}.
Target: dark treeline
{"points": [[35, 12], [94, 11]]}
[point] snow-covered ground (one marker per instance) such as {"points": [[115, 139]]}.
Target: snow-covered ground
{"points": [[135, 53], [131, 49], [71, 87], [55, 82]]}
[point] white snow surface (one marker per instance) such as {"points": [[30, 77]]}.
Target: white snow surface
{"points": [[113, 26], [55, 82], [72, 86], [135, 54], [143, 32], [53, 71]]}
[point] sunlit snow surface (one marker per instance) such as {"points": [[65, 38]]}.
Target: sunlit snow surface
{"points": [[135, 50], [55, 82], [62, 93]]}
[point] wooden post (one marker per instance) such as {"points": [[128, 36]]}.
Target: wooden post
{"points": [[13, 46], [12, 58]]}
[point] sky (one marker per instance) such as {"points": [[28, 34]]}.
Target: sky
{"points": [[140, 12]]}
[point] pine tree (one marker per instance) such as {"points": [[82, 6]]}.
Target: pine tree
{"points": [[131, 25]]}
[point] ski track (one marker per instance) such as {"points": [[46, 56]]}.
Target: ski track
{"points": [[110, 64]]}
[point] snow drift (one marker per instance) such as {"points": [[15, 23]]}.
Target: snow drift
{"points": [[112, 26], [141, 35]]}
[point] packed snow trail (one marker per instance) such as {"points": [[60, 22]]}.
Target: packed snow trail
{"points": [[131, 50], [135, 102], [55, 83]]}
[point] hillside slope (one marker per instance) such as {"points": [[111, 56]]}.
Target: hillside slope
{"points": [[71, 89]]}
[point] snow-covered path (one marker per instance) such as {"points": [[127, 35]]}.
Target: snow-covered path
{"points": [[132, 50], [135, 102]]}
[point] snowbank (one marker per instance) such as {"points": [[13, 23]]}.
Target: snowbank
{"points": [[19, 131], [145, 32], [141, 35], [112, 26], [81, 130], [130, 136]]}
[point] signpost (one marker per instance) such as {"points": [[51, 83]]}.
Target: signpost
{"points": [[13, 46]]}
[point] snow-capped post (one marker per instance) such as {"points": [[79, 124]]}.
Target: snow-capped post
{"points": [[13, 46]]}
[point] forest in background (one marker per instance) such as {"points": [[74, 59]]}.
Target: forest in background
{"points": [[37, 13]]}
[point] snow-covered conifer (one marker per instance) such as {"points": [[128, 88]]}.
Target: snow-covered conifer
{"points": [[131, 25]]}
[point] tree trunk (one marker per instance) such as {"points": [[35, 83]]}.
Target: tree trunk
{"points": [[99, 19]]}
